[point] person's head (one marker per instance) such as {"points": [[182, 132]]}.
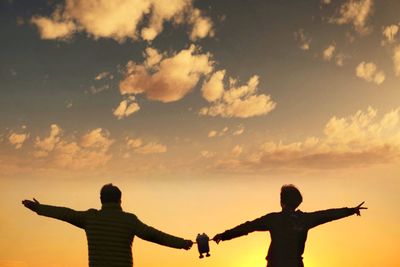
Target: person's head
{"points": [[290, 197], [109, 193]]}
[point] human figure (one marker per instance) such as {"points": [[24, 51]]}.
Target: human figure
{"points": [[110, 231], [288, 228]]}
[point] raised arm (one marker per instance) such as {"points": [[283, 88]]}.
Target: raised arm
{"points": [[324, 216], [151, 234], [260, 224], [71, 216]]}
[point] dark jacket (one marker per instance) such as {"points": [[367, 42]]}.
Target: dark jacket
{"points": [[288, 231], [110, 233]]}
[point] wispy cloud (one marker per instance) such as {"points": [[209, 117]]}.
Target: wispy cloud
{"points": [[236, 101], [303, 39], [356, 13], [17, 139], [138, 146], [369, 72]]}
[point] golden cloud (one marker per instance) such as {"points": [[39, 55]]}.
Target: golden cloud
{"points": [[17, 140], [359, 140], [166, 79], [355, 12], [237, 101], [369, 72], [121, 19]]}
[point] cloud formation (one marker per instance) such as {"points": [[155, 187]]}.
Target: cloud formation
{"points": [[389, 33], [358, 140], [166, 79], [89, 152], [17, 140], [356, 13], [236, 101], [122, 19], [126, 108], [303, 40], [138, 146], [369, 72], [328, 52]]}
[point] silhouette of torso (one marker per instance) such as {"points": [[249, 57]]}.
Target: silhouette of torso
{"points": [[288, 230]]}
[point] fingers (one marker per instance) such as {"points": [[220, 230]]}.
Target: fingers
{"points": [[34, 199]]}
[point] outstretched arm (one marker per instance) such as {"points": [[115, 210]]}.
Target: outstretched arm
{"points": [[64, 214], [324, 216], [260, 224], [156, 236]]}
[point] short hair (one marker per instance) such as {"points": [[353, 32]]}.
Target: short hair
{"points": [[291, 196], [109, 193]]}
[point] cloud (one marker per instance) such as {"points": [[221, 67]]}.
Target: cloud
{"points": [[47, 144], [356, 13], [207, 154], [303, 40], [122, 19], [396, 60], [17, 140], [212, 133], [389, 33], [88, 152], [236, 151], [239, 131], [202, 26], [104, 75], [359, 140], [369, 72], [138, 146], [166, 79], [328, 52], [126, 108], [237, 101], [53, 28]]}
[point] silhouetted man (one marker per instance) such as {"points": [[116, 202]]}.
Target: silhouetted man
{"points": [[109, 231], [288, 228]]}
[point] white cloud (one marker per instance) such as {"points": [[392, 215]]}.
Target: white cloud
{"points": [[207, 154], [237, 101], [122, 19], [104, 75], [396, 60], [361, 139], [389, 33], [17, 140], [170, 79], [356, 13], [303, 40], [370, 73], [236, 151]]}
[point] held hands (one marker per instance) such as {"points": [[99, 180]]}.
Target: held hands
{"points": [[217, 238], [32, 205], [357, 210]]}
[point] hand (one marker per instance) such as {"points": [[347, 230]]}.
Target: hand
{"points": [[32, 205], [217, 238], [188, 244], [359, 208]]}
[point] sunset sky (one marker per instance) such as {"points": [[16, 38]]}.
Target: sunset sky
{"points": [[200, 111]]}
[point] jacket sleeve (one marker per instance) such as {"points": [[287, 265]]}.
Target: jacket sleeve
{"points": [[71, 216], [324, 216], [261, 224], [151, 234]]}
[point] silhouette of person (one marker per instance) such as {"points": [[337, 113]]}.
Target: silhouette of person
{"points": [[110, 231], [288, 228]]}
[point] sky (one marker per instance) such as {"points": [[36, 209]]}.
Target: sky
{"points": [[200, 111]]}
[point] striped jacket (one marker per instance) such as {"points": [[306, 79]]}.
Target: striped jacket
{"points": [[110, 233]]}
